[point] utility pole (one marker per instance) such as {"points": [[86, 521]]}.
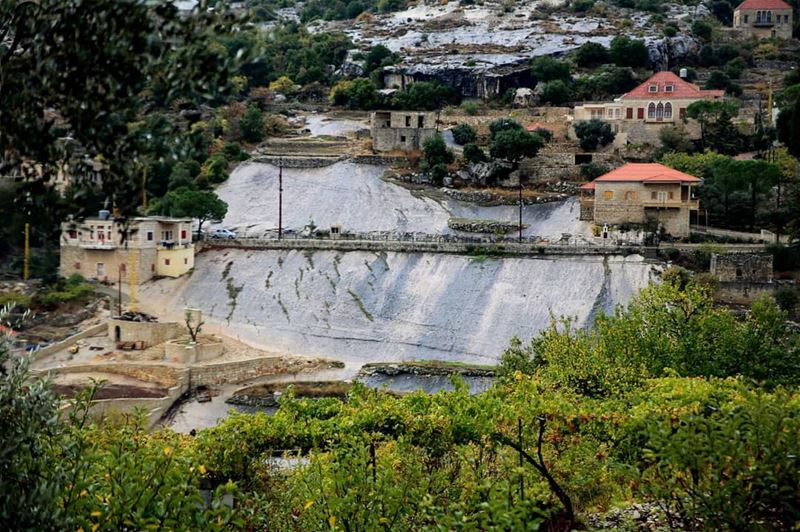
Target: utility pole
{"points": [[280, 199], [520, 211], [27, 261], [119, 289]]}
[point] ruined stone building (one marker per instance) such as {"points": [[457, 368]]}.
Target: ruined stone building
{"points": [[401, 130], [156, 246], [638, 116], [636, 193], [764, 19], [742, 267]]}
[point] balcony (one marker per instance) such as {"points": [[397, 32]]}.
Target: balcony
{"points": [[97, 244], [168, 245], [692, 204], [763, 24]]}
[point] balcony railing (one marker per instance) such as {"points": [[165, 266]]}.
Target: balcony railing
{"points": [[97, 244], [672, 204], [763, 24]]}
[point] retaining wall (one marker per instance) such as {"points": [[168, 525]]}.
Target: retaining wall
{"points": [[65, 343], [211, 373]]}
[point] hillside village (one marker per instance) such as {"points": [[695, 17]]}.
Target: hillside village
{"points": [[401, 264]]}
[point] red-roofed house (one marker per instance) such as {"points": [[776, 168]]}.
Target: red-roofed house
{"points": [[764, 19], [637, 116], [636, 193]]}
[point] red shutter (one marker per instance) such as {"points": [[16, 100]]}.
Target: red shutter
{"points": [[640, 113], [682, 113], [629, 113], [183, 233]]}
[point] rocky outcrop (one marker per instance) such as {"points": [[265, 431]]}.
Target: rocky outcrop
{"points": [[482, 226], [671, 52]]}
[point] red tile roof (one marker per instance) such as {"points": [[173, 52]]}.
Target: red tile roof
{"points": [[763, 4], [680, 88], [588, 186], [647, 173]]}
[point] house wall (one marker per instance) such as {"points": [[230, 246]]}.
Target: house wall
{"points": [[389, 130], [744, 20], [628, 205], [149, 333], [742, 267], [76, 259], [176, 261]]}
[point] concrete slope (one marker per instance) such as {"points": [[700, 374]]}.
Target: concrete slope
{"points": [[362, 307]]}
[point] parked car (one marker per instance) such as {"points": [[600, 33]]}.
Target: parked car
{"points": [[222, 233]]}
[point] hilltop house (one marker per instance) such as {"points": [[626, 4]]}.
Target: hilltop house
{"points": [[401, 130], [637, 116], [764, 19], [156, 246], [637, 193]]}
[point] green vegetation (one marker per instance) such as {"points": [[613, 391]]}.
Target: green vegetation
{"points": [[594, 133], [464, 134], [73, 288], [425, 95], [545, 68], [184, 202], [435, 157], [627, 52]]}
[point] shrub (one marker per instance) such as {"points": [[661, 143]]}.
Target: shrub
{"points": [[503, 124], [592, 54], [435, 156], [545, 68], [470, 108], [424, 95], [233, 151], [359, 93], [545, 133], [215, 169], [702, 30], [556, 92], [73, 288], [670, 31], [283, 85], [14, 299], [591, 171], [252, 124], [593, 133], [464, 134], [787, 299], [473, 154], [627, 52], [515, 144]]}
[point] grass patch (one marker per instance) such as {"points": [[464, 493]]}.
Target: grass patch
{"points": [[14, 298], [360, 304]]}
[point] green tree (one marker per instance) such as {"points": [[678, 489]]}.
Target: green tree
{"points": [[674, 139], [702, 30], [513, 145], [378, 57], [503, 124], [594, 133], [252, 124], [359, 93], [545, 68], [592, 54], [473, 154], [464, 134], [425, 95], [556, 92], [788, 127], [627, 52], [203, 205], [435, 157], [97, 73], [716, 129]]}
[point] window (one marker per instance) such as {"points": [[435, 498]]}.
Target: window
{"points": [[149, 236], [668, 88], [630, 195], [122, 267], [183, 234], [420, 121], [408, 121], [185, 260], [662, 196], [610, 113], [101, 270], [166, 235], [651, 110], [660, 111], [73, 234], [402, 138], [152, 268], [77, 265], [653, 195], [629, 113], [583, 158], [668, 110], [617, 113], [166, 262], [640, 113], [682, 113], [608, 195], [745, 18], [652, 88], [671, 195]]}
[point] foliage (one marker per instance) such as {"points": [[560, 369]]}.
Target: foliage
{"points": [[204, 205], [359, 93], [464, 134], [788, 126], [605, 82], [436, 156], [545, 68], [513, 145], [627, 52], [14, 299], [252, 124], [283, 85], [73, 288], [470, 108], [591, 54], [425, 95], [716, 129], [46, 75], [378, 57], [594, 133], [503, 124], [674, 139], [787, 298], [591, 171], [556, 92], [473, 154], [701, 29]]}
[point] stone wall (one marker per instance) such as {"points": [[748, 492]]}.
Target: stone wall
{"points": [[151, 333], [781, 30], [745, 293], [298, 162], [212, 373], [742, 267], [75, 259]]}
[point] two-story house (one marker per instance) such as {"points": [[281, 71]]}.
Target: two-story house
{"points": [[155, 246], [638, 115], [764, 19], [636, 193], [401, 130]]}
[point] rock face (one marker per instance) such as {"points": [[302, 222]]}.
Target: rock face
{"points": [[363, 307]]}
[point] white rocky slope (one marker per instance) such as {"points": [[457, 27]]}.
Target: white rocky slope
{"points": [[361, 307]]}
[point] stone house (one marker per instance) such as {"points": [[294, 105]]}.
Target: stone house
{"points": [[636, 193], [638, 115], [401, 130], [764, 19], [156, 246], [742, 267]]}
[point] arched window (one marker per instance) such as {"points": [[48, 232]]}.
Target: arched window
{"points": [[769, 16], [660, 111], [651, 110], [667, 110]]}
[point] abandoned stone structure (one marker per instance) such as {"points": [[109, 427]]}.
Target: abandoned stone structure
{"points": [[742, 267], [156, 246], [636, 193], [401, 130], [637, 116], [764, 19]]}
